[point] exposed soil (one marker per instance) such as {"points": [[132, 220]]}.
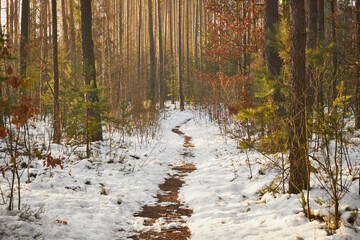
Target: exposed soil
{"points": [[169, 208]]}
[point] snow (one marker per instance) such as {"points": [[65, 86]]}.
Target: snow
{"points": [[225, 201]]}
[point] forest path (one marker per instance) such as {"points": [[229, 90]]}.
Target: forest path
{"points": [[169, 211]]}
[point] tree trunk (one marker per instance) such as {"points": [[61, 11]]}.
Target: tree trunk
{"points": [[335, 56], [200, 33], [171, 52], [161, 60], [166, 24], [65, 26], [121, 60], [196, 35], [297, 139], [181, 94], [7, 17], [24, 37], [89, 66], [139, 44], [187, 50], [272, 59], [56, 107], [321, 37], [152, 79], [72, 32], [44, 54], [16, 22], [357, 82], [1, 31], [312, 45], [313, 24]]}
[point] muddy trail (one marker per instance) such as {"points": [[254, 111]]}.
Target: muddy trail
{"points": [[169, 210]]}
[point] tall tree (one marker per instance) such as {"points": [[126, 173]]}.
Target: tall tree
{"points": [[16, 22], [335, 54], [152, 54], [89, 67], [201, 33], [161, 59], [44, 52], [321, 37], [357, 82], [65, 26], [139, 43], [25, 11], [171, 29], [272, 59], [297, 139], [312, 45], [72, 31], [56, 107], [187, 48], [313, 26], [321, 21], [7, 17], [180, 70], [196, 35]]}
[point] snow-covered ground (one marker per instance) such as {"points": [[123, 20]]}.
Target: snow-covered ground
{"points": [[226, 202]]}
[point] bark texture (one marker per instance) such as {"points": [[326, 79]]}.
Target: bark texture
{"points": [[321, 37], [180, 72], [312, 45], [298, 141], [151, 94], [357, 85], [56, 107], [25, 9], [272, 59], [89, 66]]}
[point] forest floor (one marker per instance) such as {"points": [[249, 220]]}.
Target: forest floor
{"points": [[191, 181]]}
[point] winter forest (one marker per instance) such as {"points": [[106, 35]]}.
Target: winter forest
{"points": [[180, 119]]}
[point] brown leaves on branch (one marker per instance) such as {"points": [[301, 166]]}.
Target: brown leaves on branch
{"points": [[49, 161], [231, 23]]}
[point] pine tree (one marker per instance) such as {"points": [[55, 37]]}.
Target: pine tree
{"points": [[89, 69], [56, 107], [357, 82], [180, 70], [297, 135], [25, 9], [272, 59], [151, 94]]}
